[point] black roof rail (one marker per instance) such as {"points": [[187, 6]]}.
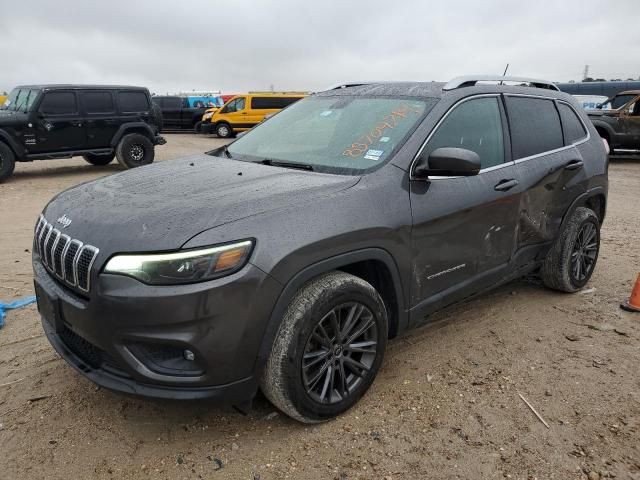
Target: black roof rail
{"points": [[347, 85], [471, 80]]}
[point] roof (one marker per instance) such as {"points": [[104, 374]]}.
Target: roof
{"points": [[406, 89], [70, 86], [432, 90]]}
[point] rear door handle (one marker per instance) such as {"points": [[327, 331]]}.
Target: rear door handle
{"points": [[574, 165], [504, 185]]}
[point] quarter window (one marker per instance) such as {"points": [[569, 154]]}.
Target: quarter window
{"points": [[535, 126], [475, 125], [59, 103], [573, 128], [98, 102], [133, 102]]}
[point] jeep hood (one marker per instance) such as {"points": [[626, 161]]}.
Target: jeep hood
{"points": [[161, 206]]}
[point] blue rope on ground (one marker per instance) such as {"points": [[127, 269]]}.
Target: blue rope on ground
{"points": [[23, 302]]}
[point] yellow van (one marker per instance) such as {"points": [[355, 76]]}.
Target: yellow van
{"points": [[243, 112], [2, 99]]}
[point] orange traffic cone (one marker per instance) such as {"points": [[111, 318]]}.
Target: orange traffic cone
{"points": [[633, 304]]}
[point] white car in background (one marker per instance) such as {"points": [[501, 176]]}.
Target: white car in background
{"points": [[590, 102]]}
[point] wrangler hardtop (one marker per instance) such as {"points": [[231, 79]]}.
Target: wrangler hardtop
{"points": [[98, 122]]}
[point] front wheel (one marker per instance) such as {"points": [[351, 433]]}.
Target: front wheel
{"points": [[572, 258], [135, 150], [328, 349], [223, 130], [98, 160], [7, 161]]}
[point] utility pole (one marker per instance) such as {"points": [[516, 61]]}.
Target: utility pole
{"points": [[585, 73]]}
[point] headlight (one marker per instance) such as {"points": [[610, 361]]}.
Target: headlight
{"points": [[207, 116], [188, 266]]}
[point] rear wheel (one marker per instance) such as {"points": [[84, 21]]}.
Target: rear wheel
{"points": [[7, 161], [328, 348], [572, 259], [99, 160], [223, 130], [135, 150]]}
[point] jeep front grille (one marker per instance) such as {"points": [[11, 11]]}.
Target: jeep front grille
{"points": [[68, 259]]}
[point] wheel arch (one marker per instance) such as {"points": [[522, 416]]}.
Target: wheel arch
{"points": [[373, 265], [15, 147], [595, 199], [133, 127], [604, 130]]}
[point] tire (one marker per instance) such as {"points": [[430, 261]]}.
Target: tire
{"points": [[159, 120], [573, 256], [135, 150], [99, 160], [224, 130], [301, 390], [197, 128], [7, 161]]}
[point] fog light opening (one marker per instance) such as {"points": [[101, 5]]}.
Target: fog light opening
{"points": [[189, 355]]}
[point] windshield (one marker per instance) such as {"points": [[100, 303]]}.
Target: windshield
{"points": [[20, 99], [340, 134], [618, 101]]}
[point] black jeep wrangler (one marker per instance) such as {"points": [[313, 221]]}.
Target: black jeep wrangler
{"points": [[61, 121]]}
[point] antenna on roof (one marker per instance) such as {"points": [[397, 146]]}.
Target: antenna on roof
{"points": [[504, 74]]}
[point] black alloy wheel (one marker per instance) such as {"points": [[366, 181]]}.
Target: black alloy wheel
{"points": [[585, 252], [339, 353]]}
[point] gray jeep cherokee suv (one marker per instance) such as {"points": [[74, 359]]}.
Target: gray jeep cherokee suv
{"points": [[287, 259]]}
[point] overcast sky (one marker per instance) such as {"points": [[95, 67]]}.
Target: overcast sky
{"points": [[236, 46]]}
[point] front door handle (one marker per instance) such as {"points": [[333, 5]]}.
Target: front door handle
{"points": [[504, 185], [574, 165]]}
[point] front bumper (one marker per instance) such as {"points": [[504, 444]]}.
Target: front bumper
{"points": [[206, 127], [125, 335]]}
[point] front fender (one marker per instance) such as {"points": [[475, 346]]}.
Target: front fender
{"points": [[312, 271], [17, 149]]}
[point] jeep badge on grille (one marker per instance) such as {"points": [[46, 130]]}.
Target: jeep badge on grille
{"points": [[64, 221]]}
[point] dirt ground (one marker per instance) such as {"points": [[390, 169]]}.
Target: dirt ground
{"points": [[445, 404]]}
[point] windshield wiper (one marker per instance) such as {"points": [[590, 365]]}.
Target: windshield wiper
{"points": [[277, 163]]}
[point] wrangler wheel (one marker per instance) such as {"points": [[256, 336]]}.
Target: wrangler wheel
{"points": [[328, 349], [135, 150], [7, 161]]}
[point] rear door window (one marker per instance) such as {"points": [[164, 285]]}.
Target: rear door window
{"points": [[265, 103], [474, 125], [59, 103], [98, 102], [133, 102], [535, 126], [573, 128]]}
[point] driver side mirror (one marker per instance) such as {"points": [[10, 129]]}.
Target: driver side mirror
{"points": [[448, 162]]}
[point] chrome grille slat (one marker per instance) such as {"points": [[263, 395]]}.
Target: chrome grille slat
{"points": [[64, 257]]}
